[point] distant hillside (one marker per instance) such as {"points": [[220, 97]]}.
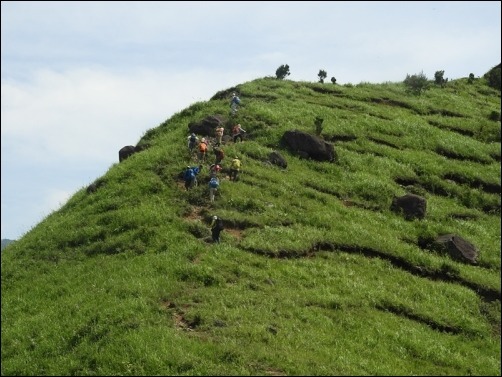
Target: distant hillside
{"points": [[362, 238], [5, 242]]}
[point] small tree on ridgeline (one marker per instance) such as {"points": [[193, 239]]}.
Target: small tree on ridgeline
{"points": [[282, 72], [416, 84], [333, 80], [322, 75], [470, 80], [439, 79]]}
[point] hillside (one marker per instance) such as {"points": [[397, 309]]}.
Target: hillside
{"points": [[315, 274]]}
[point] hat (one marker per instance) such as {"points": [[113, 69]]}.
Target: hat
{"points": [[215, 217], [188, 167]]}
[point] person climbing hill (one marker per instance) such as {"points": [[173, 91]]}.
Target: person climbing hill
{"points": [[216, 228], [234, 103], [203, 150], [219, 131], [218, 154], [235, 168], [192, 142], [189, 178], [237, 132], [214, 169], [214, 183]]}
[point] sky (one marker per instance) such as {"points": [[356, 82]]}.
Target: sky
{"points": [[82, 79]]}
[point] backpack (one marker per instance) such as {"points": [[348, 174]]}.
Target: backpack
{"points": [[193, 138], [219, 224], [213, 182], [202, 147], [214, 169], [237, 100], [236, 164], [189, 174], [219, 153]]}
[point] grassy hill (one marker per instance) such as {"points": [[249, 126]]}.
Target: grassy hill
{"points": [[315, 275]]}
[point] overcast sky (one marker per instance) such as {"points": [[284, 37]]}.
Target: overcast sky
{"points": [[80, 80]]}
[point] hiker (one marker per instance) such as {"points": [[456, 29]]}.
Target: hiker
{"points": [[235, 168], [237, 132], [189, 178], [216, 228], [234, 103], [202, 150], [218, 154], [214, 169], [214, 183], [219, 134], [192, 142]]}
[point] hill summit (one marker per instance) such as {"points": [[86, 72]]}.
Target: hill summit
{"points": [[362, 237]]}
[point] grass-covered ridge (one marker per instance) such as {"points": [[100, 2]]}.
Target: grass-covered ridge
{"points": [[315, 274]]}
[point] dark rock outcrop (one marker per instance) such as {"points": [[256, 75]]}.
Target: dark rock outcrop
{"points": [[410, 205], [457, 247], [207, 126], [277, 159], [126, 152], [307, 145]]}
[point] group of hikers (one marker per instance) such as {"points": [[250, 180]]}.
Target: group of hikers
{"points": [[191, 172], [199, 149]]}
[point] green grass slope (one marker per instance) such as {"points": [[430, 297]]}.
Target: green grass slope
{"points": [[315, 275]]}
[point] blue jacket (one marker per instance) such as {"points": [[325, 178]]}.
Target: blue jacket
{"points": [[189, 174]]}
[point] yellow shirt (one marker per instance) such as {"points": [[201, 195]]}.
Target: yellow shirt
{"points": [[236, 164]]}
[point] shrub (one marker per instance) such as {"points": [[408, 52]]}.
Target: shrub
{"points": [[493, 77], [322, 75], [333, 80], [282, 72], [471, 78], [416, 84], [439, 79]]}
